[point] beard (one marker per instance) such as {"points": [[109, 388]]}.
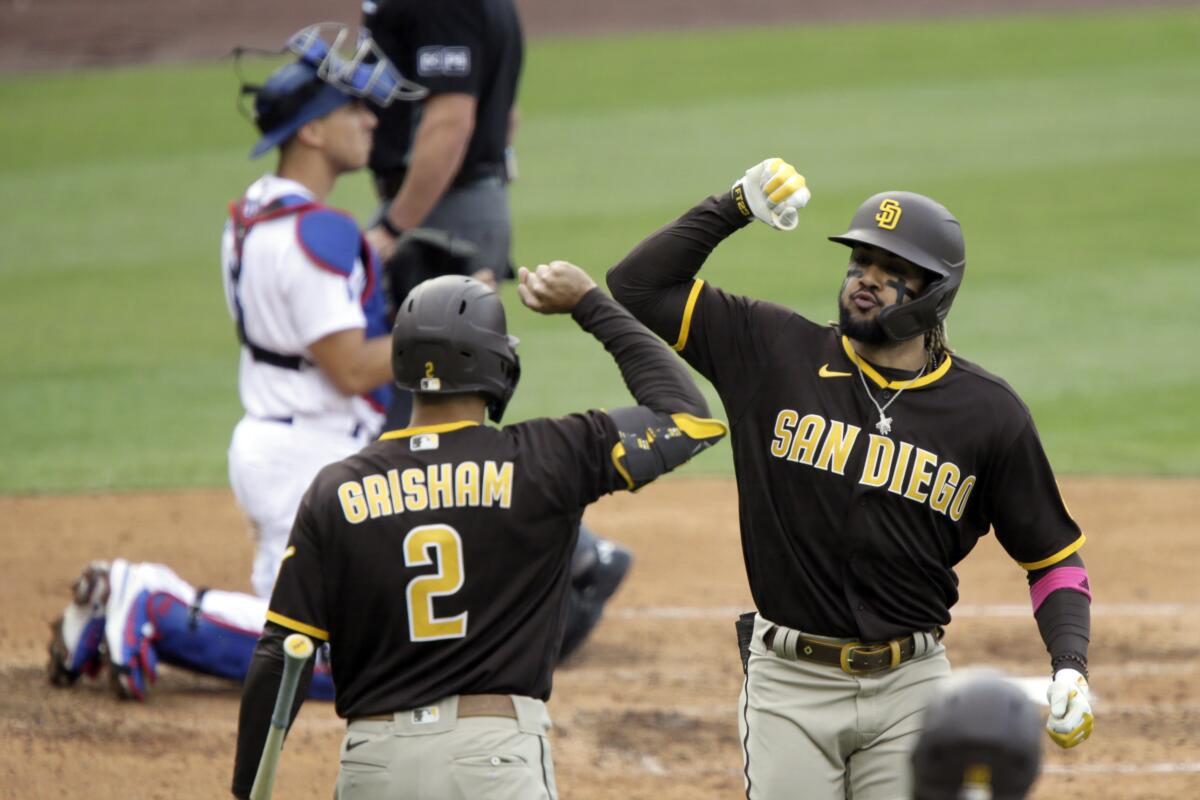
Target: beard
{"points": [[867, 331]]}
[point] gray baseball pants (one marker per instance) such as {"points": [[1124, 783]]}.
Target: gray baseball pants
{"points": [[816, 732], [431, 754]]}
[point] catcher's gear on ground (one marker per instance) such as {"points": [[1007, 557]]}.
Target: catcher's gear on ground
{"points": [[1070, 720], [151, 616], [921, 230], [77, 635], [773, 192], [451, 337], [107, 623], [981, 733], [128, 633], [597, 569]]}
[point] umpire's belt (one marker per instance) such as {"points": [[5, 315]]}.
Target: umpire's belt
{"points": [[388, 182], [855, 658], [469, 705]]}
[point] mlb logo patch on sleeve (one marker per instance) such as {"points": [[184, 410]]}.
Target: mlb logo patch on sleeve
{"points": [[442, 60]]}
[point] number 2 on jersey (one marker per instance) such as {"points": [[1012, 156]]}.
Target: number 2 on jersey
{"points": [[419, 546]]}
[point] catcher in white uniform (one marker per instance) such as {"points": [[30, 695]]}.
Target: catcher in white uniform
{"points": [[305, 294], [303, 289]]}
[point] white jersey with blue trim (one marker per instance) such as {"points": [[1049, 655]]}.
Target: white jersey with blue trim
{"points": [[290, 298]]}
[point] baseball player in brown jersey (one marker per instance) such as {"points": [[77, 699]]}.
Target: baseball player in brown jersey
{"points": [[869, 461], [435, 560]]}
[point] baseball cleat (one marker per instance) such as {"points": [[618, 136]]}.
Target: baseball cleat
{"points": [[77, 635], [129, 633]]}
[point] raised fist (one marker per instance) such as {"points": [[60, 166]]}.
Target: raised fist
{"points": [[773, 192], [553, 288]]}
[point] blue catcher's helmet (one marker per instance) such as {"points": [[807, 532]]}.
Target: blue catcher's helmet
{"points": [[327, 74]]}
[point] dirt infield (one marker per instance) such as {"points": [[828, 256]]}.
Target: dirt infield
{"points": [[646, 709]]}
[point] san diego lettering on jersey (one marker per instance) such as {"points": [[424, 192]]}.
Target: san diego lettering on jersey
{"points": [[906, 469], [466, 484], [846, 533]]}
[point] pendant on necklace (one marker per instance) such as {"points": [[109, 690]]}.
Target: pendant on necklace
{"points": [[884, 425]]}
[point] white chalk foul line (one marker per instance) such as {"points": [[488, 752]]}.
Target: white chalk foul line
{"points": [[1098, 610], [1161, 768], [649, 765], [959, 612], [1139, 668]]}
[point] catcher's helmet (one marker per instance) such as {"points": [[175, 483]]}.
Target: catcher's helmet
{"points": [[920, 230], [331, 69], [451, 338], [982, 740]]}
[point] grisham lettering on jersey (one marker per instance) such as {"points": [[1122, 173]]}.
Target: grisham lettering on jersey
{"points": [[436, 486], [905, 469]]}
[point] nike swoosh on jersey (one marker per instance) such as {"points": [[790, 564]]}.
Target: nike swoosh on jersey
{"points": [[352, 745], [825, 372]]}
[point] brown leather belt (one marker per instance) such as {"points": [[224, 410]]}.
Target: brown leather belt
{"points": [[856, 658], [469, 705]]}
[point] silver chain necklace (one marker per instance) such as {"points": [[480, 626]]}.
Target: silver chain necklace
{"points": [[884, 425]]}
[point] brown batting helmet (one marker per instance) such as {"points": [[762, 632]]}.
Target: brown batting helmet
{"points": [[451, 337], [982, 738], [921, 230]]}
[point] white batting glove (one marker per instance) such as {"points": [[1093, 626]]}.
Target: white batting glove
{"points": [[774, 192], [1070, 719]]}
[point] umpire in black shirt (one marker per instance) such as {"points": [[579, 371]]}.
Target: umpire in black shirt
{"points": [[441, 169], [441, 165]]}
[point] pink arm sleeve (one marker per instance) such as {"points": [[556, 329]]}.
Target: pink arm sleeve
{"points": [[1074, 578]]}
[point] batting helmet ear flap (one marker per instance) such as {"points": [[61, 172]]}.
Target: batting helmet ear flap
{"points": [[900, 322], [512, 373]]}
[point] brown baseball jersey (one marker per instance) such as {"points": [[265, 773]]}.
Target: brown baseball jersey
{"points": [[435, 560], [848, 530]]}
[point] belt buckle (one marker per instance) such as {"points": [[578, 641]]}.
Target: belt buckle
{"points": [[846, 656]]}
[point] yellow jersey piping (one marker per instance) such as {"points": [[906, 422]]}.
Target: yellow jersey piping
{"points": [[1057, 557], [884, 383], [698, 428], [618, 452], [688, 310], [296, 625], [445, 427]]}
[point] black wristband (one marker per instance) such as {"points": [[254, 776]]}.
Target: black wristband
{"points": [[1068, 661], [738, 193], [390, 227]]}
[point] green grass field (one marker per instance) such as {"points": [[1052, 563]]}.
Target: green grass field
{"points": [[1069, 146]]}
